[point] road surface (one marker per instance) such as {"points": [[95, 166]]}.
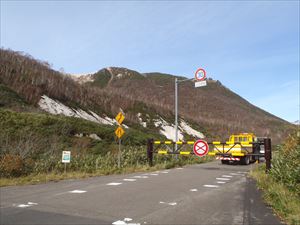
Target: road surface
{"points": [[208, 193]]}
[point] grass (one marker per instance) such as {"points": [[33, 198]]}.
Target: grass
{"points": [[284, 202]]}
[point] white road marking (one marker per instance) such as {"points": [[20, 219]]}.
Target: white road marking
{"points": [[32, 203], [77, 191], [119, 222], [221, 182], [234, 174], [226, 176], [179, 168], [164, 172], [129, 179], [124, 222], [140, 176], [210, 185], [23, 205], [194, 189], [220, 178], [153, 174], [113, 184], [170, 203], [29, 204]]}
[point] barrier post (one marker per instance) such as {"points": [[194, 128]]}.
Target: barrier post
{"points": [[150, 152], [268, 153]]}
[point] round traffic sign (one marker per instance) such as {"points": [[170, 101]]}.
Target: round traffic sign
{"points": [[201, 148], [200, 74]]}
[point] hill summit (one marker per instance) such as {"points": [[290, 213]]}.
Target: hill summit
{"points": [[147, 99]]}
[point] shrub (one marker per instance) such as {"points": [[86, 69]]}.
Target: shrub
{"points": [[286, 164], [11, 165]]}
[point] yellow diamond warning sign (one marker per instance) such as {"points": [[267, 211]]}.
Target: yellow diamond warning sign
{"points": [[120, 118], [119, 132]]}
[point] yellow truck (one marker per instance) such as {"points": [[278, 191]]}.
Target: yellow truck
{"points": [[244, 148]]}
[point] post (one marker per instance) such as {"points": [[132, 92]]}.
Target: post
{"points": [[65, 168], [176, 113], [119, 154], [268, 153], [150, 152]]}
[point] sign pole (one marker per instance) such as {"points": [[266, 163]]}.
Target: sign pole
{"points": [[119, 155], [176, 113], [65, 168]]}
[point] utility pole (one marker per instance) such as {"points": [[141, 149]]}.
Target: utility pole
{"points": [[176, 108], [200, 76], [176, 113]]}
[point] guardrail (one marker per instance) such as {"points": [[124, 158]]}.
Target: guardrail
{"points": [[154, 147]]}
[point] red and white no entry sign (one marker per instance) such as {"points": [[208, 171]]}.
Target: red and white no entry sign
{"points": [[200, 148], [200, 74]]}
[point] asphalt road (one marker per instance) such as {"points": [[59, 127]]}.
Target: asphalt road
{"points": [[208, 193]]}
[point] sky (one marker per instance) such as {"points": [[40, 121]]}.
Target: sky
{"points": [[251, 47]]}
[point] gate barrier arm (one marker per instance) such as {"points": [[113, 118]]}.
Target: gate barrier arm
{"points": [[170, 145]]}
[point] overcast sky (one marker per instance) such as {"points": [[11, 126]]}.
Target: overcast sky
{"points": [[251, 47]]}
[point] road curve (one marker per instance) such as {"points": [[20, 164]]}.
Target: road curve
{"points": [[208, 193]]}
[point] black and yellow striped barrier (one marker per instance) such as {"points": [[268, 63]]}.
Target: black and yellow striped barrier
{"points": [[219, 149]]}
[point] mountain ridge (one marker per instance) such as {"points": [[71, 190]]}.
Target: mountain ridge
{"points": [[150, 95]]}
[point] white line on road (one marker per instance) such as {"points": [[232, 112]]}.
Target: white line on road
{"points": [[164, 172], [124, 222], [23, 205], [220, 178], [179, 168], [221, 182], [170, 203], [210, 185], [26, 205], [77, 191], [234, 174], [113, 184], [32, 203], [194, 189], [129, 179], [226, 176], [140, 177], [153, 174]]}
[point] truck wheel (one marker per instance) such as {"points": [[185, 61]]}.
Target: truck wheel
{"points": [[224, 161], [245, 160]]}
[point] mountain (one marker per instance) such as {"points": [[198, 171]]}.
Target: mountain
{"points": [[297, 122], [30, 85]]}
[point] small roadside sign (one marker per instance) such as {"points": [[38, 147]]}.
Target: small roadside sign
{"points": [[200, 74], [200, 83], [66, 156], [200, 148], [120, 118], [119, 132]]}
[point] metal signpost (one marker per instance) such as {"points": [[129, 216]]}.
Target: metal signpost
{"points": [[200, 76], [119, 133], [66, 158]]}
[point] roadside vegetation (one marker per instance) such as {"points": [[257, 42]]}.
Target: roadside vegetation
{"points": [[281, 186], [31, 146]]}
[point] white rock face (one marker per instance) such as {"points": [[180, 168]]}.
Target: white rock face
{"points": [[189, 130], [82, 78], [57, 108], [144, 124], [168, 130]]}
